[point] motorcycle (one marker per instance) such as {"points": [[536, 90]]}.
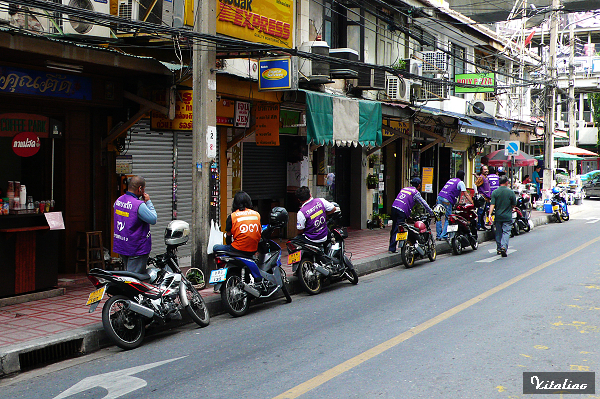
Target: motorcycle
{"points": [[523, 212], [312, 262], [233, 279], [462, 228], [559, 205], [137, 300], [416, 241]]}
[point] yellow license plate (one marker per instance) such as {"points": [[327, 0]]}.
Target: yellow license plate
{"points": [[293, 258], [96, 296], [555, 208], [402, 236]]}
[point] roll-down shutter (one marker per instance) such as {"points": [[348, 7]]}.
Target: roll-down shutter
{"points": [[264, 172], [184, 183]]}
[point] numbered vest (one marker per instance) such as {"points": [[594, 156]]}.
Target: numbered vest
{"points": [[246, 230], [315, 227], [405, 200]]}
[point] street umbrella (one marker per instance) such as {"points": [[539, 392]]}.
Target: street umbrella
{"points": [[571, 149], [561, 156], [497, 158]]}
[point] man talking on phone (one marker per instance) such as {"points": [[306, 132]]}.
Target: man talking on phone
{"points": [[134, 213]]}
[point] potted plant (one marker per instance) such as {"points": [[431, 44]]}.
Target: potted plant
{"points": [[372, 159], [372, 181], [400, 65], [386, 218]]}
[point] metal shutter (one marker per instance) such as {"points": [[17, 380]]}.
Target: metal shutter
{"points": [[184, 183], [264, 171], [153, 160]]}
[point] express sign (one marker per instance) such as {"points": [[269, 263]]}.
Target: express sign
{"points": [[26, 144]]}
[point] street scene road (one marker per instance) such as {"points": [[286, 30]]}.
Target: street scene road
{"points": [[464, 326]]}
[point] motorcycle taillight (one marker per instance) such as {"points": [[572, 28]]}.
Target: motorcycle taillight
{"points": [[220, 263], [291, 247], [95, 281], [451, 219]]}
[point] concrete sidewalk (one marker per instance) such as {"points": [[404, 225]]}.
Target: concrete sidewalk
{"points": [[51, 329]]}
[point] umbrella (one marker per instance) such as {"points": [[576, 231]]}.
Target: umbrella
{"points": [[571, 149], [561, 156], [497, 158]]}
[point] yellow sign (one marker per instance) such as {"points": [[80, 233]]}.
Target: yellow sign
{"points": [[403, 127], [259, 21], [267, 124], [427, 180], [183, 112]]}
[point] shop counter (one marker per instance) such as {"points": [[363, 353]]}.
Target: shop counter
{"points": [[29, 252]]}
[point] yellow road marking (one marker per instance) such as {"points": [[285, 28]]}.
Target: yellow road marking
{"points": [[392, 342]]}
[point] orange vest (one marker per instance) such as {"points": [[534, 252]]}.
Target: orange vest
{"points": [[246, 230]]}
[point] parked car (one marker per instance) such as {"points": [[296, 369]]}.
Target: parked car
{"points": [[591, 186], [588, 175]]}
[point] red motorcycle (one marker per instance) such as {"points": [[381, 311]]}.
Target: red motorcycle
{"points": [[462, 228]]}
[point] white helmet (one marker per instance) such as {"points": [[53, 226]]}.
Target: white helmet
{"points": [[438, 211], [177, 232]]}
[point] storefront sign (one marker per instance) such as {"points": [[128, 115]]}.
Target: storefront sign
{"points": [[242, 114], [475, 79], [275, 74], [11, 124], [267, 124], [124, 164], [427, 180], [225, 112], [27, 81], [26, 144], [289, 122], [402, 127], [259, 21], [183, 112]]}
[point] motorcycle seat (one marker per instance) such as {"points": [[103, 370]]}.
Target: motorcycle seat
{"points": [[139, 276], [236, 254]]}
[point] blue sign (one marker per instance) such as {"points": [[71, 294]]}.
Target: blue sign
{"points": [[275, 74], [27, 81], [512, 147]]}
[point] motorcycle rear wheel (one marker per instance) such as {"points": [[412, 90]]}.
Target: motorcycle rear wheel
{"points": [[407, 254], [527, 227], [197, 307], [432, 253], [474, 243], [564, 215], [457, 247], [309, 277], [124, 327], [234, 298], [557, 216], [284, 283]]}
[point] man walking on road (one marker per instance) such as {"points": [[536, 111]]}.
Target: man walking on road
{"points": [[503, 200]]}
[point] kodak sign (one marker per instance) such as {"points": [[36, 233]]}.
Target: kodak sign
{"points": [[259, 21]]}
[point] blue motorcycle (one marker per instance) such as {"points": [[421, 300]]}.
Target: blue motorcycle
{"points": [[559, 205]]}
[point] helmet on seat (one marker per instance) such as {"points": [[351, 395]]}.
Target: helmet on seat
{"points": [[177, 232], [438, 211], [421, 226], [555, 190], [278, 217]]}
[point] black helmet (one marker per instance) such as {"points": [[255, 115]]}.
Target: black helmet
{"points": [[478, 200], [279, 216], [415, 181]]}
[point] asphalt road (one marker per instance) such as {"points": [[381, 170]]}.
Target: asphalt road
{"points": [[464, 326]]}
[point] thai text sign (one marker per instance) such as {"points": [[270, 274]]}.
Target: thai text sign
{"points": [[26, 144], [242, 114], [183, 112], [477, 80], [275, 74], [267, 124], [26, 81], [427, 180], [402, 127], [259, 21], [11, 124]]}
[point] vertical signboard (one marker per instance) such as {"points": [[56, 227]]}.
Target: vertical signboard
{"points": [[242, 114], [267, 124], [427, 180]]}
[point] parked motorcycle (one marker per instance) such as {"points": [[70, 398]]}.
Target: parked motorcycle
{"points": [[462, 228], [139, 300], [234, 280], [559, 205], [416, 241], [523, 211], [313, 262]]}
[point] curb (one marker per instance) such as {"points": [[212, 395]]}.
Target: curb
{"points": [[92, 338]]}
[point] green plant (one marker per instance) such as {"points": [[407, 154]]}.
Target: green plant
{"points": [[400, 65], [385, 216], [372, 180], [373, 158]]}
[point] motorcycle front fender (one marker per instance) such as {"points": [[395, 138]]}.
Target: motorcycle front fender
{"points": [[348, 263]]}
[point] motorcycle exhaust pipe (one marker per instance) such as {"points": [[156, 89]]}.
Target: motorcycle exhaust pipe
{"points": [[251, 290], [139, 309], [420, 250], [322, 270]]}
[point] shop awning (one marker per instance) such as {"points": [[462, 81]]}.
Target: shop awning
{"points": [[499, 130], [341, 120]]}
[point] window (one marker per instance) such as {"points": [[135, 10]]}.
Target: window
{"points": [[458, 64]]}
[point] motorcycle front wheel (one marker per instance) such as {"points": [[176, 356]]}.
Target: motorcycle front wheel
{"points": [[233, 296], [351, 275], [124, 327], [309, 277], [197, 307], [527, 227], [564, 215], [407, 254], [284, 283]]}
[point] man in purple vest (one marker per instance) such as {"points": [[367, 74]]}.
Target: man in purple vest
{"points": [[485, 190], [134, 213], [494, 179], [450, 194], [312, 217], [402, 206]]}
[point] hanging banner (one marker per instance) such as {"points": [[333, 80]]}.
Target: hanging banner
{"points": [[427, 180], [267, 124], [225, 112]]}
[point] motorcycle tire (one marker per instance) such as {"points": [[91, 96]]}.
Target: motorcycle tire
{"points": [[564, 215], [284, 284], [234, 298], [457, 247], [407, 254], [527, 227], [310, 278], [432, 253], [474, 244], [124, 327], [197, 307], [351, 275], [558, 217], [516, 229]]}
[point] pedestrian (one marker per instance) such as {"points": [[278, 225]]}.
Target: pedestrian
{"points": [[134, 213], [312, 216], [493, 178], [503, 201], [448, 196], [526, 179], [483, 188], [403, 205], [537, 179]]}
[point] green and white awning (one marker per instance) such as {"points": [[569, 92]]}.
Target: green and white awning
{"points": [[342, 120]]}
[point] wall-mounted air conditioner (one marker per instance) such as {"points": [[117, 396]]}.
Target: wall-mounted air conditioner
{"points": [[30, 19], [341, 70], [161, 12], [436, 90], [72, 25], [370, 79], [481, 108], [434, 61], [314, 71], [397, 88]]}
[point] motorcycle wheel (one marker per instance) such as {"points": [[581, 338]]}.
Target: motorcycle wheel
{"points": [[124, 327], [351, 275], [407, 254], [527, 227], [558, 217], [284, 283], [516, 229], [432, 254], [457, 247], [564, 215], [309, 277], [474, 244], [234, 298], [197, 307]]}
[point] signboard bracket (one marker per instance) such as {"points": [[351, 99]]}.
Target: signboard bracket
{"points": [[241, 136]]}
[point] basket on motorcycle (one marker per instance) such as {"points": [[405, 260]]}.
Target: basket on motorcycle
{"points": [[342, 231]]}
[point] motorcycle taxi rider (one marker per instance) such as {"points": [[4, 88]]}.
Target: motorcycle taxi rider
{"points": [[312, 216]]}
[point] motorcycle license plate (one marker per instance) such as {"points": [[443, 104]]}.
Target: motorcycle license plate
{"points": [[555, 208], [402, 236], [217, 276], [95, 297], [295, 257], [452, 228]]}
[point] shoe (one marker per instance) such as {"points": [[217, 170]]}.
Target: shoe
{"points": [[498, 252], [392, 252], [503, 252]]}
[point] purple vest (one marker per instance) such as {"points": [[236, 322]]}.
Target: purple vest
{"points": [[131, 234], [315, 227], [405, 200], [494, 180], [450, 191], [484, 189]]}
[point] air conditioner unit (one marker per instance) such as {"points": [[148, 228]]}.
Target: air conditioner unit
{"points": [[433, 91], [30, 19], [370, 79], [341, 70], [161, 12], [397, 88], [314, 71], [72, 25], [415, 67], [434, 61], [481, 108]]}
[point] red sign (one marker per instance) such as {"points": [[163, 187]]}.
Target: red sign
{"points": [[26, 144]]}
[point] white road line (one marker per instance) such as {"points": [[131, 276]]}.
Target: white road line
{"points": [[493, 258]]}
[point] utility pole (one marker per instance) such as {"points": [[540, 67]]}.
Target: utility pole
{"points": [[204, 129], [572, 119], [551, 109]]}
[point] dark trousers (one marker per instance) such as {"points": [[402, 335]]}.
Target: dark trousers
{"points": [[397, 217]]}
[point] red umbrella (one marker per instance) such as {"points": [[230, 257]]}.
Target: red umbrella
{"points": [[497, 158]]}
